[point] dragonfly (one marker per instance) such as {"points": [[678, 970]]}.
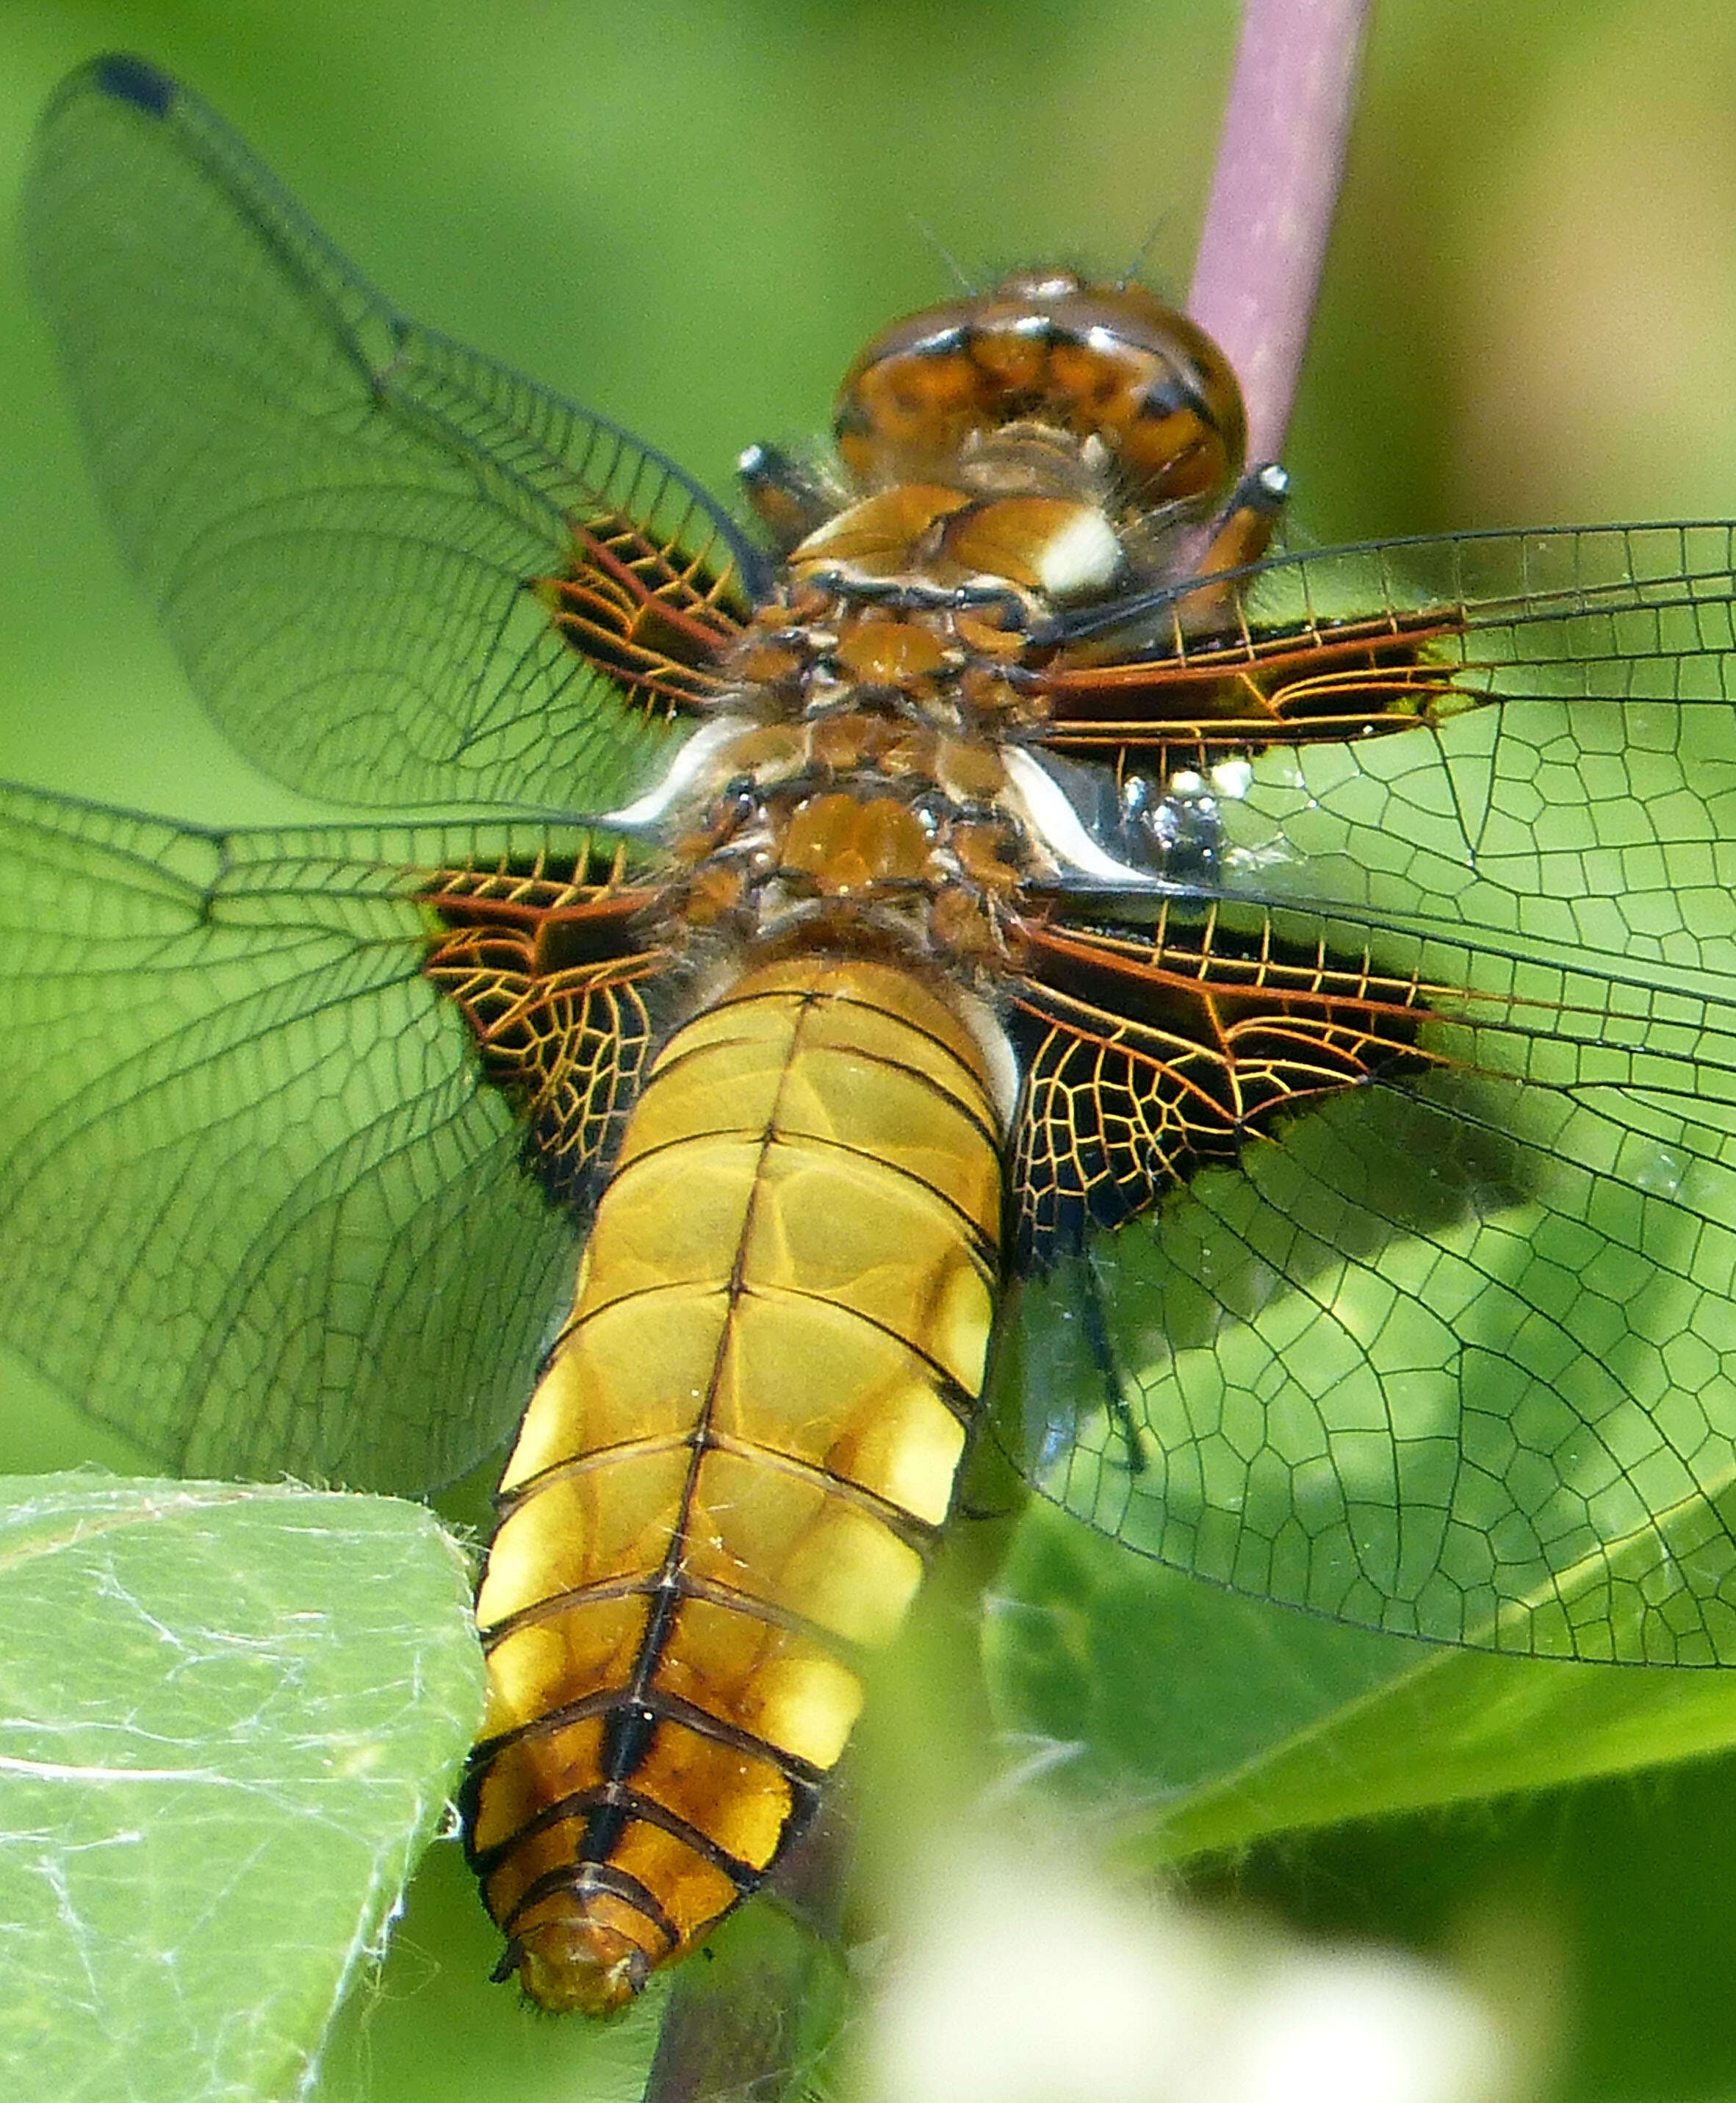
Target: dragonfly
{"points": [[970, 944]]}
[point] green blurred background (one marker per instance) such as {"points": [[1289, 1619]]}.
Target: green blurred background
{"points": [[690, 215]]}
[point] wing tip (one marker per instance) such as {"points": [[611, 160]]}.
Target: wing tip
{"points": [[135, 80]]}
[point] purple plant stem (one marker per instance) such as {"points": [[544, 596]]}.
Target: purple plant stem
{"points": [[1281, 159]]}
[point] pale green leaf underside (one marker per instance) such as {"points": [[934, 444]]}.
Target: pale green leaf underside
{"points": [[228, 1721]]}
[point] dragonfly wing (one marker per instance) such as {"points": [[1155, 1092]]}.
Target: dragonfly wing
{"points": [[259, 1207], [353, 529], [1430, 1075], [1347, 643], [1447, 1358]]}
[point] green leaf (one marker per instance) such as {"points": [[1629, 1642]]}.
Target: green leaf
{"points": [[229, 1720], [1226, 1721]]}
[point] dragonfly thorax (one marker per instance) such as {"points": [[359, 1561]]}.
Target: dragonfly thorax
{"points": [[1004, 460], [866, 779]]}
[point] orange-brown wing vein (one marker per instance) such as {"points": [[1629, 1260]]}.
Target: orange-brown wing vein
{"points": [[642, 609], [1307, 685], [556, 982], [1346, 643], [1147, 1056]]}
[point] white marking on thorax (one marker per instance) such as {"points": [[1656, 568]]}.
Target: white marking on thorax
{"points": [[683, 773], [1041, 805], [1083, 556]]}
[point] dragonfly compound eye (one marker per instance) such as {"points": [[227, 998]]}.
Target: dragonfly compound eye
{"points": [[1111, 363]]}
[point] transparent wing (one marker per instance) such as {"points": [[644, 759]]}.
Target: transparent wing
{"points": [[355, 531], [259, 1206], [1443, 1341], [1335, 643]]}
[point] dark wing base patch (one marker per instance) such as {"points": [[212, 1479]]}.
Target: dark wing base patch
{"points": [[552, 977], [1147, 1055]]}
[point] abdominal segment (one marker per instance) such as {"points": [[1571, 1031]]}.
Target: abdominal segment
{"points": [[738, 1455]]}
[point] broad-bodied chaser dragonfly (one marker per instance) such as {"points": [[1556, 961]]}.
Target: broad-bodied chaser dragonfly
{"points": [[986, 888]]}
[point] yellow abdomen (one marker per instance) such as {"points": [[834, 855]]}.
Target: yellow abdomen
{"points": [[734, 1465]]}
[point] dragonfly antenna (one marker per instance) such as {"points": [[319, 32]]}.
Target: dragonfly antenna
{"points": [[955, 270]]}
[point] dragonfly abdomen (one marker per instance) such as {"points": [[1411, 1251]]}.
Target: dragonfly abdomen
{"points": [[740, 1451]]}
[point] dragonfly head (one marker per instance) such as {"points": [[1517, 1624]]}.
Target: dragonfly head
{"points": [[1130, 381]]}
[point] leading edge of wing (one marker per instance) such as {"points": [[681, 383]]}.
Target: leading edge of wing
{"points": [[1479, 580], [125, 77]]}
